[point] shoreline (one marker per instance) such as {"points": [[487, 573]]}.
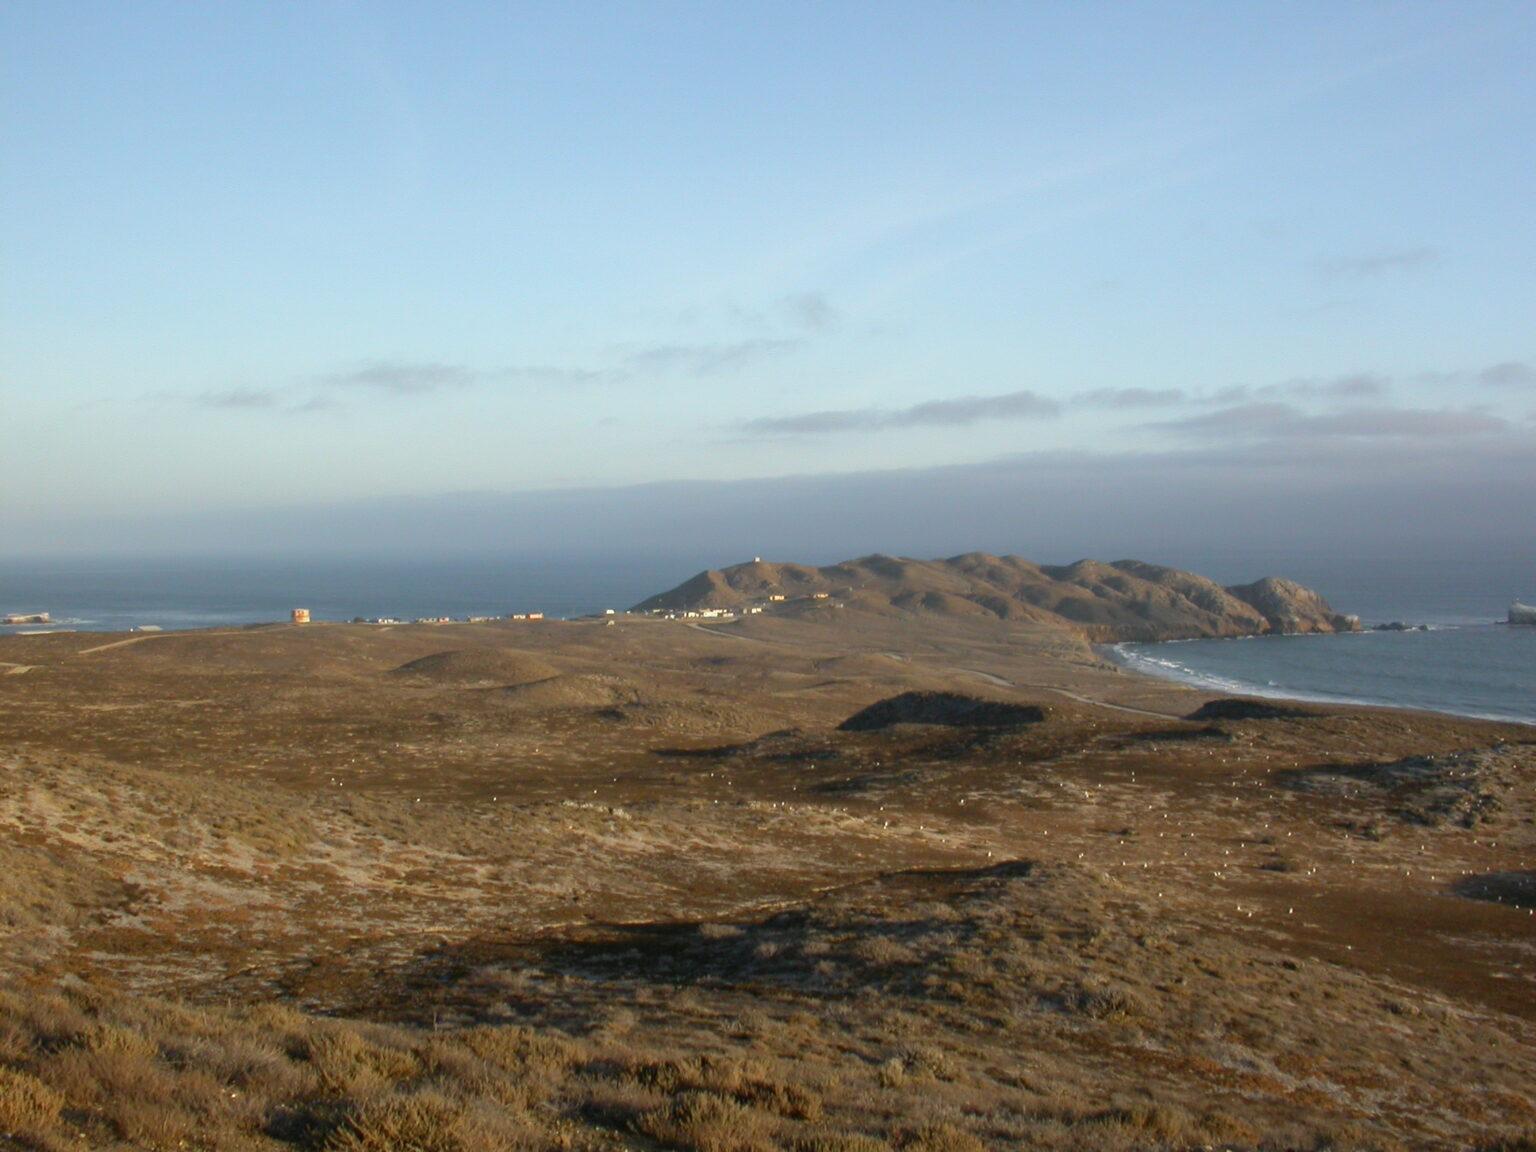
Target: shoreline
{"points": [[1121, 657]]}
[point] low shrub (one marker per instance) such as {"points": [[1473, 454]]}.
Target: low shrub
{"points": [[707, 1122], [27, 1105]]}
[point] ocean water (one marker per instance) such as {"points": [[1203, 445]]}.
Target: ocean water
{"points": [[1468, 663], [1486, 670], [111, 596]]}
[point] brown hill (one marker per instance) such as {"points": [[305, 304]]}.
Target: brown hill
{"points": [[1126, 600]]}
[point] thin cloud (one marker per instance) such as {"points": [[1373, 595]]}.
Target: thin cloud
{"points": [[1121, 398], [274, 401], [387, 379], [402, 378], [1353, 387], [808, 310], [1373, 264], [313, 404], [787, 325], [236, 398], [1022, 405], [965, 410], [1287, 422], [709, 359], [549, 374], [1510, 374], [809, 423], [1425, 423], [1357, 386]]}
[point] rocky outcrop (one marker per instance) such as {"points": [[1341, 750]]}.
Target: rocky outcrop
{"points": [[1125, 600], [1290, 608]]}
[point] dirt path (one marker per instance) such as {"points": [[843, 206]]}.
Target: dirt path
{"points": [[120, 643], [987, 676], [14, 669], [157, 636], [738, 636], [1077, 696], [1126, 708]]}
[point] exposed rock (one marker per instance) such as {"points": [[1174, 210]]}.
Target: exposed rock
{"points": [[1290, 608]]}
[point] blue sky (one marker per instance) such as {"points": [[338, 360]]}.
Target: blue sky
{"points": [[257, 256]]}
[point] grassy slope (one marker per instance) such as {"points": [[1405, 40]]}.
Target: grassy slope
{"points": [[262, 891]]}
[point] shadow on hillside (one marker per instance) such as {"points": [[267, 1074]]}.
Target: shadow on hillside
{"points": [[787, 744], [1516, 889], [1462, 789], [895, 936], [1244, 708], [947, 709]]}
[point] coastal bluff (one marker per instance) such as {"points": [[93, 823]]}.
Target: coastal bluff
{"points": [[1126, 600]]}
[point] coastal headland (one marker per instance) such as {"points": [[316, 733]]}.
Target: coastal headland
{"points": [[896, 862]]}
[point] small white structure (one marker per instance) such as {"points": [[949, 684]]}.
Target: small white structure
{"points": [[300, 615]]}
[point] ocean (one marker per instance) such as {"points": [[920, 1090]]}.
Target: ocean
{"points": [[1466, 663], [116, 595]]}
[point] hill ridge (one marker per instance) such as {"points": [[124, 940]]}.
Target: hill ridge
{"points": [[1107, 601]]}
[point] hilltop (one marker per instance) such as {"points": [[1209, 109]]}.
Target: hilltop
{"points": [[1125, 600]]}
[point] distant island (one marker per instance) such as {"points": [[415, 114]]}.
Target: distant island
{"points": [[1127, 600], [26, 618]]}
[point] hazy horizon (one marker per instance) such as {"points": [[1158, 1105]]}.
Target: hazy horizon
{"points": [[790, 279], [1048, 508]]}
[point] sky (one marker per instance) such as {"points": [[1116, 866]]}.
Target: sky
{"points": [[1030, 277]]}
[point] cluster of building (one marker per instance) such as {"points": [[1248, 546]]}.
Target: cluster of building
{"points": [[753, 608], [26, 618], [704, 613], [301, 616]]}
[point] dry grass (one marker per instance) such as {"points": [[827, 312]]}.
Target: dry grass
{"points": [[708, 1122], [28, 1107], [431, 1122], [336, 908], [1023, 1004]]}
